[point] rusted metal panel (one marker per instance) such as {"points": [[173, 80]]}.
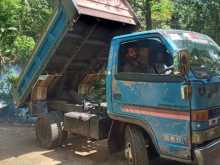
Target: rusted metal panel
{"points": [[86, 124], [64, 106], [87, 83], [116, 10], [39, 92]]}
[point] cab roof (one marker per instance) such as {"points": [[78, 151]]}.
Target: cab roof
{"points": [[160, 31]]}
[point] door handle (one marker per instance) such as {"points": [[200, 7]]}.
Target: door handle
{"points": [[117, 96]]}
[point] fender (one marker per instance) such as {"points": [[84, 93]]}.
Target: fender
{"points": [[139, 123]]}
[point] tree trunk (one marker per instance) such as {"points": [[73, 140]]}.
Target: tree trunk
{"points": [[148, 17]]}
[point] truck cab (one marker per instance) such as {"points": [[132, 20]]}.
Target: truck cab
{"points": [[167, 83]]}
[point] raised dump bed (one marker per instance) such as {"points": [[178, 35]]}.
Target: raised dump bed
{"points": [[75, 44]]}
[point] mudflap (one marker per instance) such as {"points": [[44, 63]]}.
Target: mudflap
{"points": [[208, 155], [115, 137]]}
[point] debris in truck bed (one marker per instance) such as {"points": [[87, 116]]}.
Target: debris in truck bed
{"points": [[93, 87]]}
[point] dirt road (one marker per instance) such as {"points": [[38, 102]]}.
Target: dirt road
{"points": [[18, 147]]}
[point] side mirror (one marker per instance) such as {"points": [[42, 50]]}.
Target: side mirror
{"points": [[182, 62]]}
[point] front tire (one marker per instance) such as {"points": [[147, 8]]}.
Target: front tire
{"points": [[49, 130], [135, 147]]}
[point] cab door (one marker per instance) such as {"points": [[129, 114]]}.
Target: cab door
{"points": [[153, 97]]}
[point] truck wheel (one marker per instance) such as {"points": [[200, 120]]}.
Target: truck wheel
{"points": [[49, 130], [135, 147]]}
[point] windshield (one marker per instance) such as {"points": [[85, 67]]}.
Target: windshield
{"points": [[205, 53]]}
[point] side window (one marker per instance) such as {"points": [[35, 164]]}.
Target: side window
{"points": [[147, 56]]}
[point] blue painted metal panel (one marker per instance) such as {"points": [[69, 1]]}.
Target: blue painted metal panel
{"points": [[43, 53], [205, 96], [207, 100], [158, 95], [151, 95]]}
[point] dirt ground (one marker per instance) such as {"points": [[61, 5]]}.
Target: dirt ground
{"points": [[18, 147]]}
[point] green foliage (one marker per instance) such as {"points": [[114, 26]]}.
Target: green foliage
{"points": [[7, 80], [21, 23], [158, 13], [8, 24], [23, 46], [161, 13], [196, 15], [201, 16], [34, 17]]}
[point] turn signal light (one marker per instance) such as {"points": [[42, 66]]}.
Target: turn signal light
{"points": [[200, 115]]}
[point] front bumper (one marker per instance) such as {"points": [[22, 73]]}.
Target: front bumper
{"points": [[209, 154]]}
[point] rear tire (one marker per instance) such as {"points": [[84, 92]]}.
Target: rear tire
{"points": [[49, 130], [135, 147]]}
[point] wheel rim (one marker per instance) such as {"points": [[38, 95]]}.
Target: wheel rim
{"points": [[128, 154]]}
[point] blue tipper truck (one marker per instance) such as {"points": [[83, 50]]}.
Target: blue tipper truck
{"points": [[159, 95]]}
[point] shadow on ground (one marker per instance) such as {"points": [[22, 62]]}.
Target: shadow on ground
{"points": [[96, 153], [18, 146]]}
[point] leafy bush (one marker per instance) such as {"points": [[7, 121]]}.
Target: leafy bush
{"points": [[8, 78], [8, 25], [23, 47], [21, 24]]}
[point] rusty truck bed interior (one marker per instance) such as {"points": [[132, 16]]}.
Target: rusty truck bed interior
{"points": [[83, 52]]}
